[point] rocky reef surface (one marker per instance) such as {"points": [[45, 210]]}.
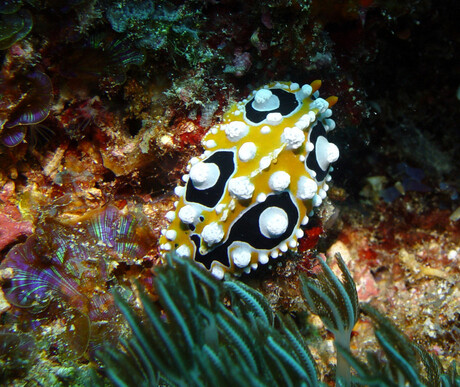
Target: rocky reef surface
{"points": [[103, 103]]}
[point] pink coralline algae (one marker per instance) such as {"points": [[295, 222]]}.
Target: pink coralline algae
{"points": [[12, 226], [11, 229]]}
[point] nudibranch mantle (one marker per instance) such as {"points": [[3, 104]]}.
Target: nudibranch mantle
{"points": [[264, 168]]}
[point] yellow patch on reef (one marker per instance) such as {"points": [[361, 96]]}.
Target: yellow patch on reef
{"points": [[263, 170]]}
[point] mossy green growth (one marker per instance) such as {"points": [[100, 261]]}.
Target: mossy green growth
{"points": [[14, 26]]}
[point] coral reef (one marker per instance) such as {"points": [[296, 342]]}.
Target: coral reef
{"points": [[104, 103]]}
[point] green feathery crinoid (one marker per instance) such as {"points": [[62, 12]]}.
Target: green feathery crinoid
{"points": [[336, 303], [207, 333], [406, 364]]}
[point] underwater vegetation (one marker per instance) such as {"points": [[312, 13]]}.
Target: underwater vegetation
{"points": [[205, 332], [63, 267], [26, 102], [101, 55], [202, 340], [336, 303], [162, 27], [16, 353], [129, 89], [15, 23]]}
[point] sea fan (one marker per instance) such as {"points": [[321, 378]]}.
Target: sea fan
{"points": [[211, 333]]}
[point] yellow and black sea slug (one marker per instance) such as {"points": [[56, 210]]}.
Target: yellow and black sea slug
{"points": [[264, 168]]}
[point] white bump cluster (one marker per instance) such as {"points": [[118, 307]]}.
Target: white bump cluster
{"points": [[263, 96], [241, 256], [188, 214], [212, 233], [247, 151], [204, 175], [274, 118], [320, 104], [305, 120], [264, 100], [293, 137], [183, 251], [236, 130], [241, 188], [273, 222], [306, 188], [279, 181]]}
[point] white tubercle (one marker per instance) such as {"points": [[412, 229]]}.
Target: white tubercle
{"points": [[283, 247], [316, 201], [265, 129], [218, 272], [212, 233], [241, 256], [320, 104], [204, 175], [183, 251], [326, 152], [247, 151], [306, 90], [265, 100], [236, 130], [210, 144], [170, 216], [329, 124], [179, 190], [293, 137], [279, 181], [306, 188], [304, 221], [171, 234], [273, 222], [263, 258], [274, 118], [241, 188], [188, 214], [261, 197]]}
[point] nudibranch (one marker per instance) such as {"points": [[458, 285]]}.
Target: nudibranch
{"points": [[264, 168]]}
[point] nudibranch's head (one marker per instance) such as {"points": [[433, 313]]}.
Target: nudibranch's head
{"points": [[264, 169]]}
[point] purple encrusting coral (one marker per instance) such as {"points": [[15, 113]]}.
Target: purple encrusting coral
{"points": [[64, 267], [31, 107], [37, 278]]}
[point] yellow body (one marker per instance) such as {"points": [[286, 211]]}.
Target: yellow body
{"points": [[275, 151]]}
